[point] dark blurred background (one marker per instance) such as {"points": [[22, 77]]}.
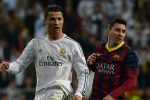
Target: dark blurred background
{"points": [[86, 22]]}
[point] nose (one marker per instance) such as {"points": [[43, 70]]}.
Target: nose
{"points": [[56, 21], [120, 34]]}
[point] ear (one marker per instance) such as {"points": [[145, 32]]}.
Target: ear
{"points": [[107, 31], [44, 21], [63, 20]]}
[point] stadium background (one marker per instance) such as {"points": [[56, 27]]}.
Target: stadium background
{"points": [[85, 21]]}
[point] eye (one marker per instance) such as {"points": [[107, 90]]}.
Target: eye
{"points": [[59, 18], [51, 19], [123, 31], [120, 30]]}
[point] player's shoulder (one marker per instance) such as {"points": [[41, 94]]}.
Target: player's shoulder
{"points": [[72, 43], [131, 51], [128, 47], [38, 39], [70, 40]]}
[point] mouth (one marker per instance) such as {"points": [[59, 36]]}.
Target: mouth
{"points": [[120, 39], [56, 28]]}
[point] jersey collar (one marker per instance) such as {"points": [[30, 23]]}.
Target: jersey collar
{"points": [[114, 48]]}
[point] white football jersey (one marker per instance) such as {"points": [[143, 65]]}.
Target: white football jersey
{"points": [[54, 62]]}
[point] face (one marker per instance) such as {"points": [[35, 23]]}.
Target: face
{"points": [[117, 33], [54, 22]]}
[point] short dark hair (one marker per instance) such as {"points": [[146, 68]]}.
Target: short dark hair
{"points": [[117, 20], [53, 8]]}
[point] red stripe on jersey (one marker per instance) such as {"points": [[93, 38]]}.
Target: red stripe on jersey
{"points": [[116, 80], [95, 89], [97, 76]]}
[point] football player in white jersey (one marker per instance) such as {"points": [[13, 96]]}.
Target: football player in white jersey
{"points": [[56, 56]]}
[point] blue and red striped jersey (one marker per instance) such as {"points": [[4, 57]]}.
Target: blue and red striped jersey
{"points": [[115, 72]]}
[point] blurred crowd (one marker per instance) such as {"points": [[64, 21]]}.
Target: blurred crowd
{"points": [[86, 22]]}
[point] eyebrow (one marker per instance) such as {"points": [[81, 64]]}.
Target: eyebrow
{"points": [[120, 29], [55, 17]]}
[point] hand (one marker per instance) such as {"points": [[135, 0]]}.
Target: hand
{"points": [[76, 97], [91, 58], [4, 66], [108, 97]]}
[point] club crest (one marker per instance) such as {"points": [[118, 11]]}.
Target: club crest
{"points": [[62, 51], [116, 57]]}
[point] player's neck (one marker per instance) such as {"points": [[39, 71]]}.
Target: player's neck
{"points": [[111, 44], [55, 36]]}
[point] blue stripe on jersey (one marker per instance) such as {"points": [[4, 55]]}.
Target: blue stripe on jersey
{"points": [[121, 52], [111, 77], [103, 76], [123, 67], [110, 83], [85, 83], [93, 95]]}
